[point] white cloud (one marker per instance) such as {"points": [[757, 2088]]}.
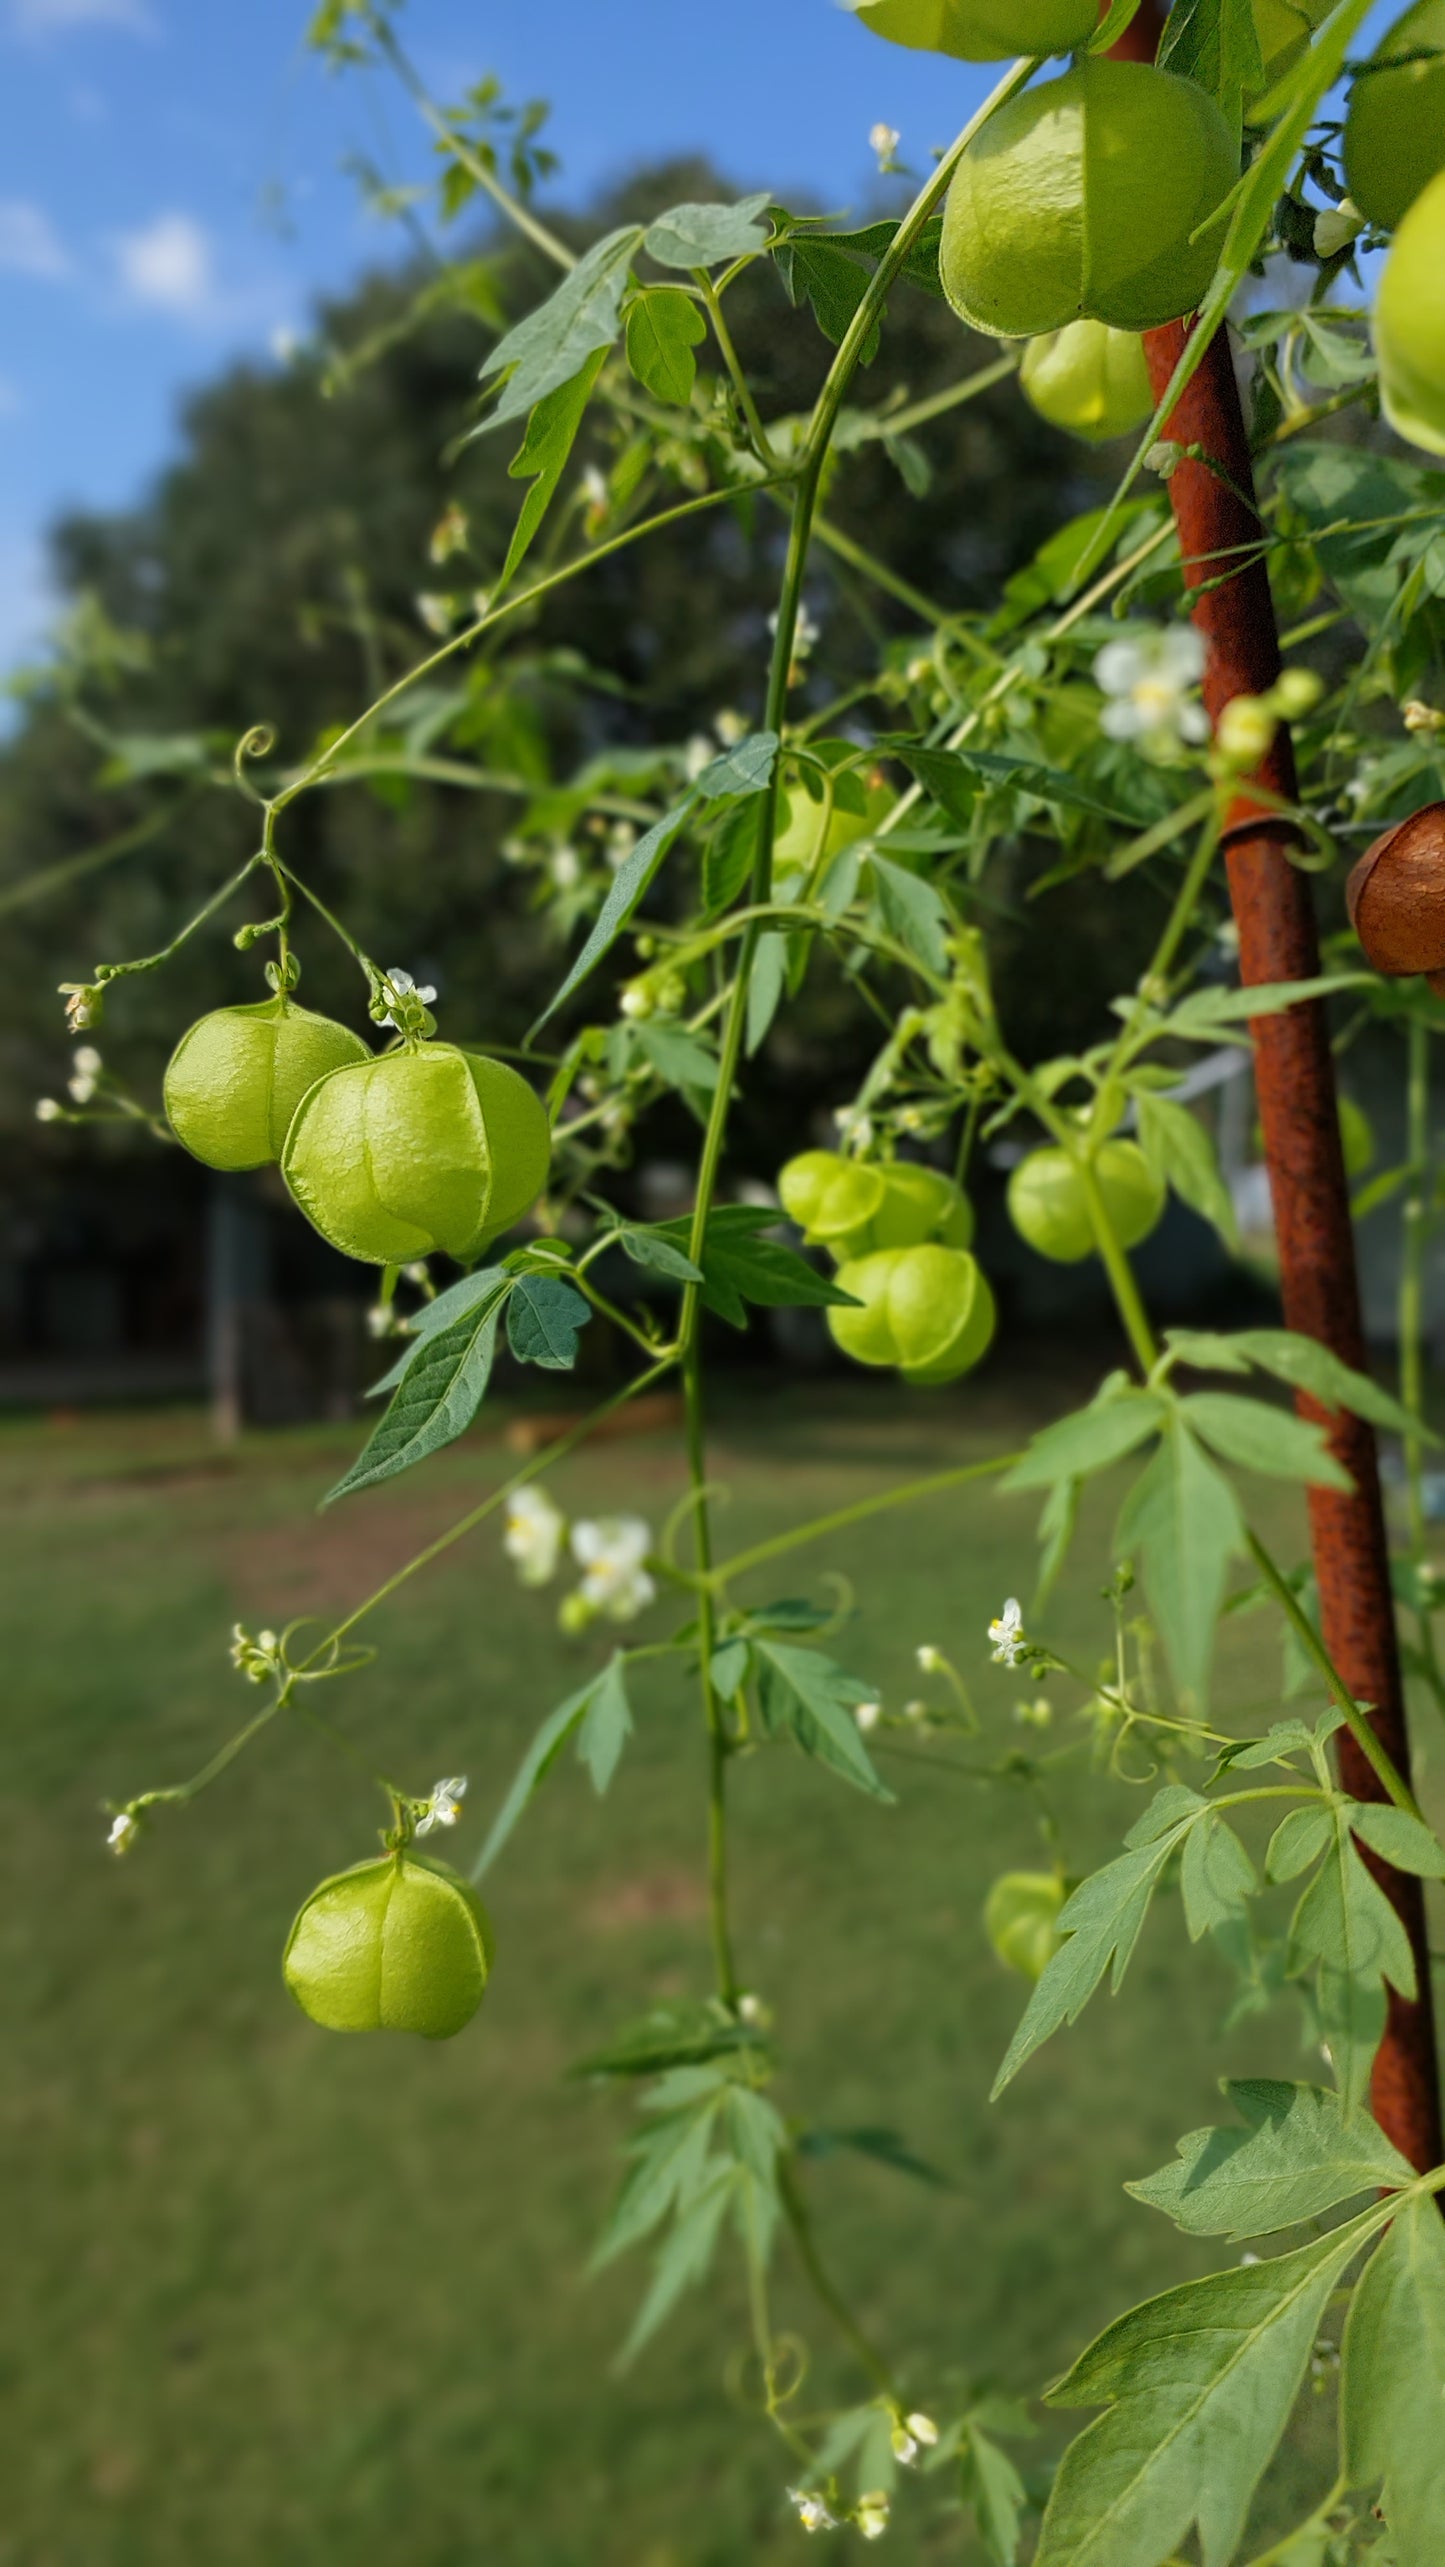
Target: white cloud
{"points": [[29, 242], [58, 17], [167, 264]]}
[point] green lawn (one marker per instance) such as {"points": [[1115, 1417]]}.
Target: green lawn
{"points": [[275, 2295]]}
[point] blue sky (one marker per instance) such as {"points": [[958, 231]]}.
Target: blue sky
{"points": [[172, 190]]}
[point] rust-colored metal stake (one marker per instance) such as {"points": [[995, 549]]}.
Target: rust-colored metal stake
{"points": [[1233, 610]]}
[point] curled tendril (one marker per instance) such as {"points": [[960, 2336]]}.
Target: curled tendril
{"points": [[258, 742], [761, 2386], [711, 1493]]}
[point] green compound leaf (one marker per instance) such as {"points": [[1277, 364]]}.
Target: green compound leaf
{"points": [[606, 1723], [686, 2032], [1216, 42], [804, 1696], [1399, 1838], [1392, 2396], [739, 1267], [434, 1316], [1113, 1424], [551, 346], [704, 235], [1297, 2158], [1217, 1878], [1297, 1842], [831, 281], [1101, 1924], [664, 325], [1300, 1361], [913, 912], [1182, 1154], [956, 777], [1260, 1437], [992, 2485], [1199, 2385], [1346, 1924], [745, 769], [441, 1388], [652, 1249], [1181, 1521], [542, 456], [543, 1320], [600, 1744]]}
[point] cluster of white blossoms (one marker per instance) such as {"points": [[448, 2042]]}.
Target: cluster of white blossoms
{"points": [[124, 1829], [1150, 684], [406, 1002], [610, 1550], [869, 2515], [443, 1804], [86, 1067]]}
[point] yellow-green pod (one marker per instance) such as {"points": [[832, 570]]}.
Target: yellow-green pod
{"points": [[400, 1944], [235, 1079], [427, 1148]]}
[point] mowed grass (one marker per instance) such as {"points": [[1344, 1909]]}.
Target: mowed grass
{"points": [[276, 2295]]}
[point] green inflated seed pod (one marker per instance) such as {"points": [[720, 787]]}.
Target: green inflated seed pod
{"points": [[808, 831], [1394, 141], [919, 1207], [1079, 200], [926, 1310], [1049, 1207], [234, 1081], [401, 1944], [1020, 1917], [981, 30], [828, 1196], [1410, 324], [1089, 380], [427, 1148]]}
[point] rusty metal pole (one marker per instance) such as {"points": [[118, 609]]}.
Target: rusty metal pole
{"points": [[1233, 610]]}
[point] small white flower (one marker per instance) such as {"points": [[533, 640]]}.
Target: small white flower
{"points": [[930, 1659], [610, 1553], [87, 1061], [444, 1804], [534, 1535], [380, 1319], [699, 753], [904, 2445], [47, 1110], [405, 988], [751, 2009], [1250, 2259], [868, 1714], [730, 726], [923, 2429], [872, 2514], [621, 839], [1149, 681], [813, 2514], [883, 142], [449, 534], [437, 612], [915, 1710], [594, 484], [123, 1832], [1007, 1634], [565, 868]]}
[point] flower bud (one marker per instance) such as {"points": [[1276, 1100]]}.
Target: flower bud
{"points": [[1245, 731], [1396, 895], [1296, 692]]}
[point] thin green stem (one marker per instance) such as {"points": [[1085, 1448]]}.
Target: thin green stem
{"points": [[323, 767], [736, 375], [1378, 1757], [825, 2289], [1120, 1273], [472, 162], [844, 1516]]}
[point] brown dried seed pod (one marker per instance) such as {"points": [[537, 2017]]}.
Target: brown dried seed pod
{"points": [[1396, 896]]}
